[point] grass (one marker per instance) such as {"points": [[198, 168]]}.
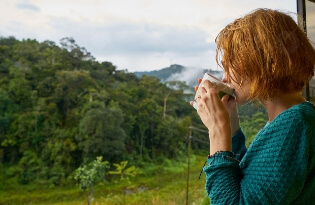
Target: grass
{"points": [[165, 184]]}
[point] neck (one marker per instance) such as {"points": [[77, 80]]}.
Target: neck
{"points": [[281, 103]]}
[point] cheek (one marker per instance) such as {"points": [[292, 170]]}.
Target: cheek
{"points": [[241, 93], [234, 86], [241, 99]]}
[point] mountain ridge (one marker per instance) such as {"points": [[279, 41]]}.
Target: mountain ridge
{"points": [[177, 72], [163, 73]]}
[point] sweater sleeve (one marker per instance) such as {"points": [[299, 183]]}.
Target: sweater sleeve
{"points": [[272, 171]]}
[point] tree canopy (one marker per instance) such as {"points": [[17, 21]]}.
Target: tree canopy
{"points": [[60, 109]]}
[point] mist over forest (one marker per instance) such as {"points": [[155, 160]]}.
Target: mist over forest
{"points": [[176, 72]]}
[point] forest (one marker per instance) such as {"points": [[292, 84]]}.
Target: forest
{"points": [[60, 109]]}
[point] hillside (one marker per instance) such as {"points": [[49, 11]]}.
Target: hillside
{"points": [[61, 109]]}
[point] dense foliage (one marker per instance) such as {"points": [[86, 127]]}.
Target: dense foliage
{"points": [[60, 109]]}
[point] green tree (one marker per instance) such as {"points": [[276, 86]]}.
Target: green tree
{"points": [[30, 166], [19, 88], [149, 114], [90, 175], [76, 53], [100, 132], [4, 60], [69, 88]]}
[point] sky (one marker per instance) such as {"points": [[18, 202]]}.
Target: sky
{"points": [[135, 35]]}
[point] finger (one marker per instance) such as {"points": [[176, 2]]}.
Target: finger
{"points": [[202, 90], [215, 100], [208, 85], [205, 100], [198, 97], [225, 100], [199, 80], [196, 88]]}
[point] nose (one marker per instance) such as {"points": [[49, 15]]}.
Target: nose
{"points": [[224, 78]]}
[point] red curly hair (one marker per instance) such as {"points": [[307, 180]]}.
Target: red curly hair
{"points": [[268, 50]]}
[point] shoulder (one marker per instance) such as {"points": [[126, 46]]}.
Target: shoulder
{"points": [[305, 110], [292, 126], [300, 116], [296, 116], [290, 130], [286, 136]]}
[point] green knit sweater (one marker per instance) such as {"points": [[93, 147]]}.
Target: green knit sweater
{"points": [[277, 168]]}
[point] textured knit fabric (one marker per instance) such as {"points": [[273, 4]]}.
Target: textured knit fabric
{"points": [[277, 168]]}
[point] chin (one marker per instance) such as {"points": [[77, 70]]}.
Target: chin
{"points": [[241, 101]]}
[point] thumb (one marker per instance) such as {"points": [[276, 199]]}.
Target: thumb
{"points": [[229, 102], [225, 100]]}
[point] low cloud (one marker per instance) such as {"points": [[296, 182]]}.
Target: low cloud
{"points": [[191, 74]]}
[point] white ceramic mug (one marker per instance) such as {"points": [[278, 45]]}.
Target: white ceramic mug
{"points": [[221, 87]]}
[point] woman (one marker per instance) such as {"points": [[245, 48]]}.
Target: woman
{"points": [[266, 57]]}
